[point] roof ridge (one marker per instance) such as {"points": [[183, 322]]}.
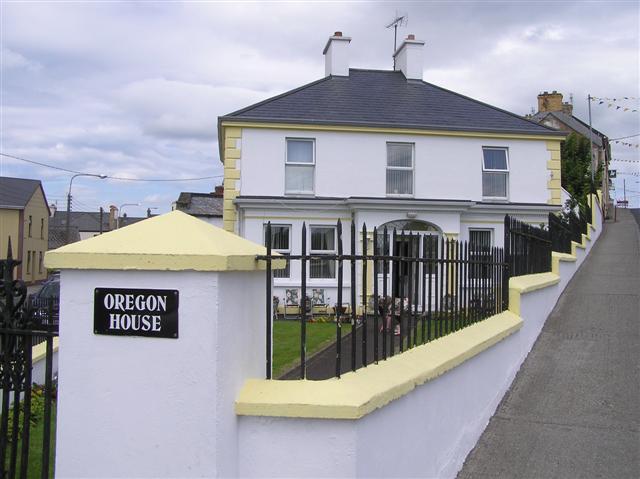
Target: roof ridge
{"points": [[490, 106]]}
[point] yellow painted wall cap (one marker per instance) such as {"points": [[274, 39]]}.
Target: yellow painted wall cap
{"points": [[174, 241]]}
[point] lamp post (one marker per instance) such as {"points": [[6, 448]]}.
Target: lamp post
{"points": [[102, 177], [120, 211]]}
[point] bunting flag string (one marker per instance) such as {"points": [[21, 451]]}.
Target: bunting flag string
{"points": [[625, 161], [624, 98], [624, 143]]}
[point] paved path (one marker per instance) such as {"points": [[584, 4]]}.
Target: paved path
{"points": [[573, 410]]}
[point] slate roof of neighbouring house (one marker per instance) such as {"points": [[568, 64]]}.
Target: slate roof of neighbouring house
{"points": [[15, 193], [89, 220], [385, 99], [572, 122], [82, 220], [58, 236], [200, 204]]}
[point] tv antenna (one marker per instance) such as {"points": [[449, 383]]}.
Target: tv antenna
{"points": [[398, 21]]}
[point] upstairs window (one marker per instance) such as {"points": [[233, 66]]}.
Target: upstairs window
{"points": [[30, 223], [323, 242], [495, 173], [299, 166], [41, 228], [280, 243], [399, 168]]}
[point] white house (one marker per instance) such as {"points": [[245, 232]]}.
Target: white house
{"points": [[379, 148]]}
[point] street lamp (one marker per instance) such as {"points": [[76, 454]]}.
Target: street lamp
{"points": [[102, 177], [120, 211]]}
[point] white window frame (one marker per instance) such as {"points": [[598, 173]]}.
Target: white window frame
{"points": [[491, 232], [403, 168], [492, 170], [282, 251], [320, 252], [311, 165]]}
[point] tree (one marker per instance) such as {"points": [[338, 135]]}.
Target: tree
{"points": [[575, 154]]}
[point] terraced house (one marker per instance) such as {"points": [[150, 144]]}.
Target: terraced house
{"points": [[381, 148]]}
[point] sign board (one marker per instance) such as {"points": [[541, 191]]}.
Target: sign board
{"points": [[613, 173], [136, 312]]}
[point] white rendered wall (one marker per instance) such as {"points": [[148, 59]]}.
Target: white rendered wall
{"points": [[151, 407], [426, 433], [354, 164]]}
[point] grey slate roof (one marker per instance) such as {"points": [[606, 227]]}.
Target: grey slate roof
{"points": [[200, 204], [82, 220], [15, 193], [572, 122], [58, 236], [385, 99], [89, 220]]}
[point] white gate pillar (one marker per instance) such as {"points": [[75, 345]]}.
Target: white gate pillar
{"points": [[134, 406]]}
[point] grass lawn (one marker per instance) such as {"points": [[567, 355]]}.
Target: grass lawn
{"points": [[35, 447], [36, 434], [286, 342]]}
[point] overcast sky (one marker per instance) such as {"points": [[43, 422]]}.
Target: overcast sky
{"points": [[134, 89]]}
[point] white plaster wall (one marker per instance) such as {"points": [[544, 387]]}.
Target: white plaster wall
{"points": [[354, 164], [152, 407], [38, 372], [426, 433]]}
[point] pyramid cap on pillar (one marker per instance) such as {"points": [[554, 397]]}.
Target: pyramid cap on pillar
{"points": [[174, 241]]}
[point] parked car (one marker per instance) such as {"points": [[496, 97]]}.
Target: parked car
{"points": [[44, 305]]}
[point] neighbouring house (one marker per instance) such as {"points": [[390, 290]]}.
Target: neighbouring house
{"points": [[86, 224], [204, 206], [555, 113], [24, 217], [381, 148]]}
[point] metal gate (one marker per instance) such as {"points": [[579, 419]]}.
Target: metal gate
{"points": [[27, 409]]}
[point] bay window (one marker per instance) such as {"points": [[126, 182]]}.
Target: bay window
{"points": [[323, 242], [280, 243]]}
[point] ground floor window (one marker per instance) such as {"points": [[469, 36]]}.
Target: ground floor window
{"points": [[280, 243], [323, 242], [480, 244]]}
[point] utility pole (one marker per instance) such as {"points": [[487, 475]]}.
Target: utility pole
{"points": [[101, 216], [624, 189]]}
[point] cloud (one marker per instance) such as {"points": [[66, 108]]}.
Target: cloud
{"points": [[14, 60], [135, 89]]}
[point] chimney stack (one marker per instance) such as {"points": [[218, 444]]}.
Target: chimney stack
{"points": [[408, 58], [218, 192], [113, 217], [53, 208], [550, 101], [336, 55]]}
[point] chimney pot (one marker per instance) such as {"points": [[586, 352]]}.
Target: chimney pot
{"points": [[337, 34], [411, 37]]}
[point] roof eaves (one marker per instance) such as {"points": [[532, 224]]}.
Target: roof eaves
{"points": [[549, 132]]}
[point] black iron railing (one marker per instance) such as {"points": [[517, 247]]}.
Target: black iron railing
{"points": [[403, 289], [20, 329], [527, 247], [560, 233]]}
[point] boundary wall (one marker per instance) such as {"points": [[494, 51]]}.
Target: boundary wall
{"points": [[403, 417], [193, 406]]}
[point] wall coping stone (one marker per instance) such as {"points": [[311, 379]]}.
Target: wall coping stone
{"points": [[358, 393]]}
